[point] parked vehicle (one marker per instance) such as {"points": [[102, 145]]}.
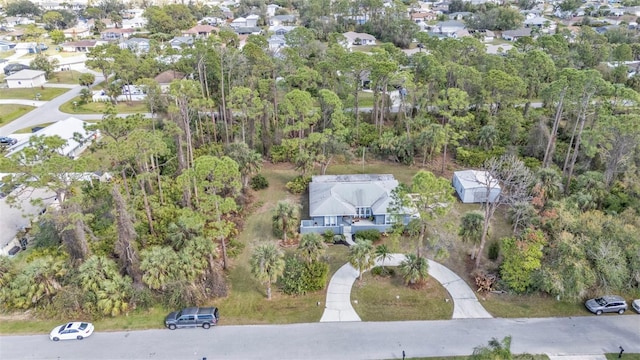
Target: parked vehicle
{"points": [[192, 317], [7, 141], [607, 304], [636, 305], [72, 331]]}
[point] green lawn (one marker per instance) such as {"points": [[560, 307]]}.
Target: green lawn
{"points": [[65, 77], [400, 302], [515, 357], [46, 94], [100, 107], [10, 112]]}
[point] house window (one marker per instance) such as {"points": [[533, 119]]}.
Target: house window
{"points": [[363, 212], [330, 221], [389, 219]]}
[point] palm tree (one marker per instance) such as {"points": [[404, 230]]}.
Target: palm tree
{"points": [[249, 161], [383, 253], [312, 246], [549, 183], [361, 256], [496, 349], [414, 269], [114, 298], [471, 229], [95, 271], [159, 267], [286, 212], [267, 264]]}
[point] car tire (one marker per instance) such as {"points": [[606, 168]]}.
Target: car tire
{"points": [[79, 337], [599, 312], [56, 339], [172, 327], [621, 311], [206, 325]]}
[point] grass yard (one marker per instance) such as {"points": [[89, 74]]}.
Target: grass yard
{"points": [[100, 107], [365, 100], [399, 301], [65, 77], [515, 357], [10, 112], [46, 94], [625, 356]]}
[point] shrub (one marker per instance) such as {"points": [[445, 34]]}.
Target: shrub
{"points": [[372, 235], [299, 277], [278, 154], [494, 251], [477, 157], [259, 182], [299, 184], [532, 163], [383, 271], [328, 236]]}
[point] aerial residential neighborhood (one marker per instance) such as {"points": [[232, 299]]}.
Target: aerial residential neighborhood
{"points": [[315, 179]]}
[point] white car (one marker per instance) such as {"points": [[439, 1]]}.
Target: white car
{"points": [[71, 331], [636, 305]]}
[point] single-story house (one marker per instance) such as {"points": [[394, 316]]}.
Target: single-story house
{"points": [[13, 68], [448, 28], [6, 45], [248, 30], [26, 79], [136, 45], [179, 42], [79, 46], [513, 35], [280, 30], [134, 23], [77, 33], [282, 20], [72, 130], [354, 38], [350, 203], [165, 78], [241, 22], [473, 186], [200, 31], [116, 34], [277, 42]]}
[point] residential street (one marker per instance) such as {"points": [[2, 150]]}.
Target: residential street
{"points": [[351, 340]]}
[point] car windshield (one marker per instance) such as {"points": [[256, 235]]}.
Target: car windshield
{"points": [[62, 328], [601, 301], [83, 326]]}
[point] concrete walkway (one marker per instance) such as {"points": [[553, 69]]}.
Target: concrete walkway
{"points": [[338, 303]]}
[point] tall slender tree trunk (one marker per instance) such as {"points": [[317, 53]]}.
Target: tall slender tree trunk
{"points": [[548, 153], [147, 207]]}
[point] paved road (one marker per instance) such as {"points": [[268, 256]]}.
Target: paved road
{"points": [[48, 112], [354, 340]]}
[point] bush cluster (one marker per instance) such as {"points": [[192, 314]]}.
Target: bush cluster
{"points": [[300, 278], [259, 182], [299, 184], [372, 235]]}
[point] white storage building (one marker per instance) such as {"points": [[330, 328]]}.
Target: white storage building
{"points": [[472, 185]]}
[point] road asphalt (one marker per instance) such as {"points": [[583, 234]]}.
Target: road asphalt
{"points": [[583, 336], [339, 307]]}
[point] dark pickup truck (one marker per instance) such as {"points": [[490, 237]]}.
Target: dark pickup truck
{"points": [[204, 317]]}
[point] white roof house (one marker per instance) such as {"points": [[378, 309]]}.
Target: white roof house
{"points": [[473, 186], [354, 38], [67, 130], [26, 79]]}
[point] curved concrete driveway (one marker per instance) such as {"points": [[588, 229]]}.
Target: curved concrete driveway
{"points": [[338, 304]]}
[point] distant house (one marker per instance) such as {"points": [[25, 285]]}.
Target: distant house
{"points": [[80, 46], [513, 35], [473, 186], [248, 30], [282, 20], [200, 31], [134, 23], [461, 15], [179, 42], [347, 204], [483, 35], [136, 45], [116, 34], [11, 21], [280, 29], [26, 79], [356, 39], [252, 20], [165, 78], [6, 45], [277, 42], [448, 28], [271, 9], [77, 33], [11, 69]]}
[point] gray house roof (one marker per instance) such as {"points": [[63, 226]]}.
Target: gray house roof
{"points": [[337, 195]]}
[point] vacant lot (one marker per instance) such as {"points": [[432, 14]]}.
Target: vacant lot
{"points": [[10, 112], [101, 107], [46, 94]]}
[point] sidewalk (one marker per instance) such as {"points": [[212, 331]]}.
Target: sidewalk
{"points": [[338, 303]]}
